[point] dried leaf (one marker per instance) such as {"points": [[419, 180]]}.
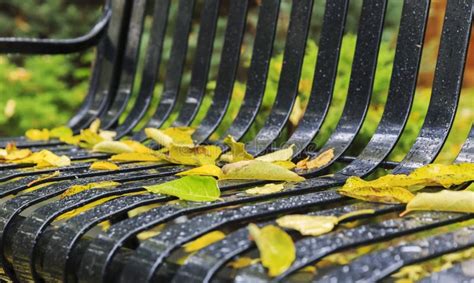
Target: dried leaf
{"points": [[279, 155], [205, 170], [43, 178], [308, 225], [355, 213], [112, 147], [198, 155], [259, 170], [317, 162], [204, 241], [243, 262], [237, 151], [285, 164], [95, 126], [107, 135], [136, 156], [17, 154], [444, 175], [374, 194], [104, 165], [79, 188], [77, 211], [266, 189], [45, 158], [192, 188], [37, 135], [445, 200], [277, 250]]}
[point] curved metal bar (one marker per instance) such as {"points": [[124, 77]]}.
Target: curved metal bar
{"points": [[467, 151], [153, 59], [258, 71], [446, 87], [325, 74], [58, 46], [201, 66], [174, 72], [297, 35], [361, 81], [129, 67], [229, 64], [375, 269]]}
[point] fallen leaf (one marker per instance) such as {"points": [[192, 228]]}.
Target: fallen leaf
{"points": [[112, 147], [317, 162], [285, 164], [107, 135], [60, 132], [242, 262], [308, 269], [80, 188], [308, 225], [142, 236], [258, 170], [266, 189], [104, 165], [279, 155], [45, 158], [170, 136], [37, 135], [88, 138], [70, 214], [136, 156], [192, 188], [444, 175], [17, 154], [445, 200], [198, 155], [138, 147], [43, 178], [237, 150], [205, 170], [382, 195], [277, 250], [204, 241], [95, 126], [142, 209], [355, 213]]}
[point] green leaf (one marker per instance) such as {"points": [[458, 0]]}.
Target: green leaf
{"points": [[192, 188], [276, 248]]}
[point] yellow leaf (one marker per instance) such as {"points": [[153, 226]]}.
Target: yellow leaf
{"points": [[170, 136], [204, 241], [43, 178], [112, 147], [52, 160], [445, 200], [242, 262], [95, 126], [317, 162], [198, 155], [36, 187], [104, 165], [355, 213], [139, 210], [237, 150], [142, 236], [308, 269], [279, 155], [136, 156], [308, 225], [37, 135], [277, 250], [107, 135], [79, 188], [138, 147], [285, 164], [9, 109], [61, 132], [17, 154], [205, 170], [444, 175], [88, 138], [383, 195], [258, 170], [266, 189], [192, 188]]}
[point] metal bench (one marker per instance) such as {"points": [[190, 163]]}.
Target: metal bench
{"points": [[33, 247]]}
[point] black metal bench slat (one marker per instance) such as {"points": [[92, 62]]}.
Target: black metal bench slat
{"points": [[123, 92], [229, 64], [447, 83], [375, 267], [150, 72], [324, 77]]}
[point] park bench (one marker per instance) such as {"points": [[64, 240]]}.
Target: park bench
{"points": [[35, 247]]}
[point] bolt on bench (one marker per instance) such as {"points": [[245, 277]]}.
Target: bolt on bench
{"points": [[35, 247]]}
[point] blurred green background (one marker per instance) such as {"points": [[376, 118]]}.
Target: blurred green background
{"points": [[44, 91]]}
